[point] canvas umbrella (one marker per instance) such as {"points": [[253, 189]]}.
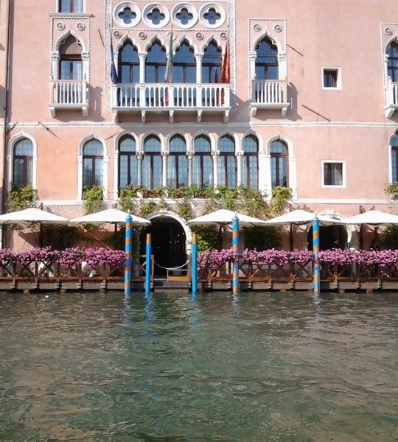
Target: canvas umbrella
{"points": [[111, 216], [301, 217], [32, 215], [223, 217], [372, 218]]}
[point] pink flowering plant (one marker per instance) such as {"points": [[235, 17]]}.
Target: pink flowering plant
{"points": [[7, 256], [103, 256], [37, 254], [72, 256], [337, 256], [213, 259]]}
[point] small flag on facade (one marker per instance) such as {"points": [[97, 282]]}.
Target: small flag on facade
{"points": [[113, 67], [168, 75], [225, 73]]}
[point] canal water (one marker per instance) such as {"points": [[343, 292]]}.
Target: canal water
{"points": [[252, 367]]}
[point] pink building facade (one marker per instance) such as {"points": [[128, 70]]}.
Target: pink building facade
{"points": [[309, 102]]}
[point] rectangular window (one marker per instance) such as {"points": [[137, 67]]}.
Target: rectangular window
{"points": [[331, 78], [70, 6], [333, 174]]}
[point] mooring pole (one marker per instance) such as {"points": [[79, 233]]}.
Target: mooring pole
{"points": [[315, 251], [194, 265], [148, 264], [128, 247], [235, 248]]}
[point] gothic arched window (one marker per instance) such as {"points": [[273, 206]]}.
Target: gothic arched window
{"points": [[93, 163], [22, 163], [250, 162], [152, 170], [266, 60], [227, 162], [177, 163], [128, 163], [202, 162], [279, 163]]}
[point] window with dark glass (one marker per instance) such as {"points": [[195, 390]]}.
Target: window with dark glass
{"points": [[227, 162], [129, 64], [333, 174], [392, 62], [23, 163], [70, 6], [93, 163], [266, 64], [330, 77], [394, 159], [279, 171], [211, 63], [202, 162], [70, 64], [177, 163], [155, 64], [152, 169], [250, 162], [184, 65], [128, 163]]}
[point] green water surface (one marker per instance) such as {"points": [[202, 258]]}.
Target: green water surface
{"points": [[252, 367]]}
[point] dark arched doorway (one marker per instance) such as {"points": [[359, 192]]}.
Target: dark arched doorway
{"points": [[327, 235], [168, 244]]}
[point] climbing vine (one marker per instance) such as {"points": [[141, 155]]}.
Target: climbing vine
{"points": [[20, 197], [92, 198]]}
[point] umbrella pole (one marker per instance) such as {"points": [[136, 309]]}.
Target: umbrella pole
{"points": [[40, 235], [291, 237]]}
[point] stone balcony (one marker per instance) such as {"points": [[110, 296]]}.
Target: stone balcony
{"points": [[171, 98], [391, 98], [269, 94], [69, 95]]}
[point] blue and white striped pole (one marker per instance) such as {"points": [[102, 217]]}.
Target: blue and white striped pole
{"points": [[128, 247], [235, 248], [194, 266], [315, 251], [148, 264]]}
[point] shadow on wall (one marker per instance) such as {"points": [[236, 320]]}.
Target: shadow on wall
{"points": [[2, 100]]}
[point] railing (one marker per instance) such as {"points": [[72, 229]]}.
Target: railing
{"points": [[391, 98], [35, 274], [269, 94], [356, 275], [69, 94], [171, 97]]}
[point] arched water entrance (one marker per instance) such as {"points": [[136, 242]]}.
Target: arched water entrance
{"points": [[168, 239]]}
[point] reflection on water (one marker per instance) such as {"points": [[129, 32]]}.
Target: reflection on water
{"points": [[252, 367]]}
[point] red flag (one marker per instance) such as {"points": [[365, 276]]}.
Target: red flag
{"points": [[225, 77], [168, 75]]}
